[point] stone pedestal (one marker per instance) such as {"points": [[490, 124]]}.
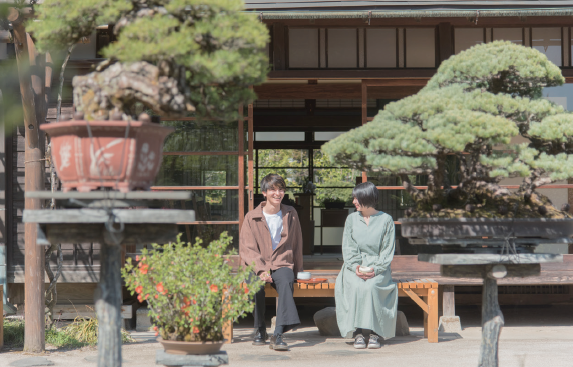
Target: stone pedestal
{"points": [[325, 321], [450, 324], [200, 360]]}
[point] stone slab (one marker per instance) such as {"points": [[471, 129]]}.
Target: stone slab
{"points": [[200, 360], [32, 361], [485, 259], [93, 359], [142, 320], [45, 216], [114, 195], [450, 324]]}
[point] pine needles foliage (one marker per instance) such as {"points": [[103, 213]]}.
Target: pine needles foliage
{"points": [[476, 107]]}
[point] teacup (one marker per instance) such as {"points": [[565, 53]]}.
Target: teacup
{"points": [[303, 275], [365, 269]]}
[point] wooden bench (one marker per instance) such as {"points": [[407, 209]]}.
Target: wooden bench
{"points": [[422, 291]]}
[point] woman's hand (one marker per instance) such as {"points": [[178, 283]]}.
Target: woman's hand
{"points": [[265, 277], [364, 276]]}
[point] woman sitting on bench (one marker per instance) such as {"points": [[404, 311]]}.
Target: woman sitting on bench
{"points": [[366, 296]]}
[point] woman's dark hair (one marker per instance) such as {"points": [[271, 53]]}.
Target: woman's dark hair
{"points": [[366, 193], [272, 181]]}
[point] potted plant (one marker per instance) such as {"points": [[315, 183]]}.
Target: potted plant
{"points": [[192, 291], [146, 67]]}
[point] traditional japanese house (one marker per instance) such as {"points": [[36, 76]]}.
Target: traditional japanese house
{"points": [[332, 66]]}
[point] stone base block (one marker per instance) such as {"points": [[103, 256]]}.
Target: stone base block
{"points": [[142, 320], [325, 321], [402, 327], [450, 324], [176, 360], [273, 324]]}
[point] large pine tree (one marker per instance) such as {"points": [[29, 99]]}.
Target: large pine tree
{"points": [[471, 109]]}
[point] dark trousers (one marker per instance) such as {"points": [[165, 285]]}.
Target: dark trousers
{"points": [[287, 315]]}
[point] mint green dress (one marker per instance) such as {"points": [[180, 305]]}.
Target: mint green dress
{"points": [[367, 304]]}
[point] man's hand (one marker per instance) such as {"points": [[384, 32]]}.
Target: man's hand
{"points": [[364, 276], [265, 277]]}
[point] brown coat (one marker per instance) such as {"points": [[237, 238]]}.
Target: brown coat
{"points": [[255, 245]]}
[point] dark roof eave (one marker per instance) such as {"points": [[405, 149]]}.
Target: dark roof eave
{"points": [[458, 13]]}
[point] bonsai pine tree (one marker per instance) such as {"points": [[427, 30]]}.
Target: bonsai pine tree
{"points": [[173, 56], [472, 110]]}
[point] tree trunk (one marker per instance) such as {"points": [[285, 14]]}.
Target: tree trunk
{"points": [[492, 322], [108, 306]]}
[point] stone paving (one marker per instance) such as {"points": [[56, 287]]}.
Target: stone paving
{"points": [[534, 336]]}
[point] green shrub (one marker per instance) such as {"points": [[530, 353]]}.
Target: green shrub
{"points": [[80, 333]]}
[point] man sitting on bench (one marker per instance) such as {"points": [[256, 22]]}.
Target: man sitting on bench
{"points": [[271, 239]]}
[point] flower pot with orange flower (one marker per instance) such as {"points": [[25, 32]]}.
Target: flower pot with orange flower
{"points": [[192, 292]]}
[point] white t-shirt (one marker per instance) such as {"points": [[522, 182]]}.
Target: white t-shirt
{"points": [[275, 222]]}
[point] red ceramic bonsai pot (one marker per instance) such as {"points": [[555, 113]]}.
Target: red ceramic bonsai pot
{"points": [[107, 158]]}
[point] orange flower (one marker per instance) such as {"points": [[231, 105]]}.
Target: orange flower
{"points": [[214, 288], [139, 289], [246, 290], [187, 301], [139, 298], [144, 269], [136, 257], [155, 328], [186, 313], [190, 320], [156, 333], [159, 287], [194, 302], [207, 282], [156, 296], [195, 330], [146, 296]]}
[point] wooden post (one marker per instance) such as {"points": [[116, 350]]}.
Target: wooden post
{"points": [[241, 165], [34, 255], [108, 302], [251, 139], [279, 46], [492, 322], [432, 302], [364, 120], [446, 48]]}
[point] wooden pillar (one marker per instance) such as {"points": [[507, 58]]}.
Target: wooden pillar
{"points": [[446, 48], [251, 138], [279, 46], [364, 117], [108, 302], [34, 255], [241, 165], [570, 201]]}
